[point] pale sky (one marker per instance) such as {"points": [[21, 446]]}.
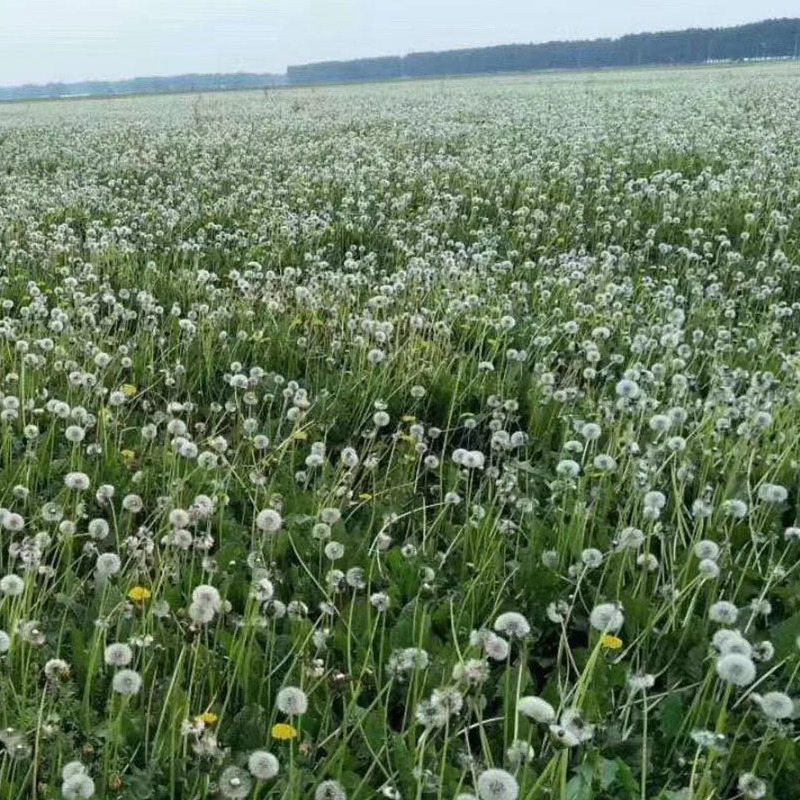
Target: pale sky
{"points": [[69, 40]]}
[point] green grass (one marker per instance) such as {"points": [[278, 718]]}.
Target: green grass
{"points": [[516, 344]]}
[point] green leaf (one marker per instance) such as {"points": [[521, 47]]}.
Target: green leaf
{"points": [[579, 788], [248, 728], [140, 783], [626, 781], [406, 631], [672, 716], [606, 770], [784, 636], [404, 765]]}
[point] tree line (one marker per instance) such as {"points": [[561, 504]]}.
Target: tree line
{"points": [[776, 38], [153, 85]]}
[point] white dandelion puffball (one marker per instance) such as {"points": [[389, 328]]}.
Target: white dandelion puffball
{"points": [[269, 521], [98, 529], [772, 493], [736, 669], [513, 625], [777, 705], [330, 790], [497, 784], [72, 768], [77, 481], [235, 783], [706, 549], [206, 595], [118, 655], [262, 765], [607, 618], [536, 709], [727, 641], [108, 564], [723, 612], [496, 647], [56, 669], [127, 682], [349, 457], [292, 701], [78, 787], [201, 613], [751, 786], [12, 585]]}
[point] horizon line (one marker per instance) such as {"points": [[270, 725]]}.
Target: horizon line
{"points": [[285, 73]]}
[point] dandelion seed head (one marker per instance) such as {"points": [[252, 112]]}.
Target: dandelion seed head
{"points": [[235, 783], [269, 521], [118, 655], [263, 765], [292, 701], [607, 617], [777, 705], [127, 682], [736, 669], [513, 625], [497, 784], [537, 709], [330, 790]]}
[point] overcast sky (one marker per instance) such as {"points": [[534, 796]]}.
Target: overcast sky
{"points": [[68, 40]]}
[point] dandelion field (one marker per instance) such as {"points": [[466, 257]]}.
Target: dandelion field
{"points": [[430, 440]]}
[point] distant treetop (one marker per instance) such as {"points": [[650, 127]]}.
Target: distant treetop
{"points": [[771, 39], [775, 38], [171, 84]]}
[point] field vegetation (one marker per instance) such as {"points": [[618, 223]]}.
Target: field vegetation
{"points": [[420, 441]]}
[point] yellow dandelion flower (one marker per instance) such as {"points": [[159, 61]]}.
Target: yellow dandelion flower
{"points": [[128, 389], [140, 594], [127, 455], [207, 718], [408, 418], [365, 496], [282, 731], [611, 642]]}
